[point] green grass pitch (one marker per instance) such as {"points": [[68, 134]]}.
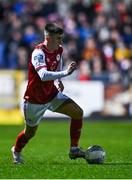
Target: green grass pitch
{"points": [[46, 156]]}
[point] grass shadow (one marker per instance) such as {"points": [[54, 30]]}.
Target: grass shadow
{"points": [[63, 163], [78, 163], [105, 164], [118, 163]]}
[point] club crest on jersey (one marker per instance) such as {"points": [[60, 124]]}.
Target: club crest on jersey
{"points": [[58, 57]]}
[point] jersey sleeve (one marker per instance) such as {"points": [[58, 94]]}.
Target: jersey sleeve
{"points": [[60, 67], [38, 59]]}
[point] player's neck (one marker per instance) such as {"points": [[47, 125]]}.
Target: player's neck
{"points": [[50, 46]]}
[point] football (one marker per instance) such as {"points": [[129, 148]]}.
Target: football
{"points": [[95, 155]]}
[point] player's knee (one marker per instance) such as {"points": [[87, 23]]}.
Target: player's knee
{"points": [[78, 114]]}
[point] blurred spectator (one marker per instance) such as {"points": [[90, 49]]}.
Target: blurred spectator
{"points": [[84, 71], [98, 35], [122, 52], [22, 58], [123, 56], [90, 50], [30, 37], [2, 54], [114, 74], [108, 52], [97, 71]]}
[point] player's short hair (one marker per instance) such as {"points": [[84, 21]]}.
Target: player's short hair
{"points": [[52, 29]]}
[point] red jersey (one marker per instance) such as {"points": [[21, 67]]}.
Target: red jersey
{"points": [[38, 91]]}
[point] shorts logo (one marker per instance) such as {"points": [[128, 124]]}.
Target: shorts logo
{"points": [[58, 57]]}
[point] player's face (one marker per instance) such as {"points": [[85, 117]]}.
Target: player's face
{"points": [[57, 39]]}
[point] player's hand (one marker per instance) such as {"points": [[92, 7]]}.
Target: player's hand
{"points": [[60, 86], [71, 67]]}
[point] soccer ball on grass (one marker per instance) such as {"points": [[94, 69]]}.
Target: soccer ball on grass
{"points": [[95, 155]]}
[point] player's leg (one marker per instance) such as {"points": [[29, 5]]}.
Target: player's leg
{"points": [[33, 114], [70, 108], [21, 140], [24, 136]]}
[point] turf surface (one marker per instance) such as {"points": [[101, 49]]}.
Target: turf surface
{"points": [[46, 155]]}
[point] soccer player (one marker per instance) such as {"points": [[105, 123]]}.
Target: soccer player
{"points": [[41, 93]]}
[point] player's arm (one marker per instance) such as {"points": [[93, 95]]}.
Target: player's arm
{"points": [[38, 61], [60, 85]]}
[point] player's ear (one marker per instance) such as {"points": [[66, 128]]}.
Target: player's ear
{"points": [[48, 38]]}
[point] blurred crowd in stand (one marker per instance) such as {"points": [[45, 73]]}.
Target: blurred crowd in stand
{"points": [[98, 35]]}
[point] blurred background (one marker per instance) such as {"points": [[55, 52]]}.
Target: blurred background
{"points": [[98, 36]]}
